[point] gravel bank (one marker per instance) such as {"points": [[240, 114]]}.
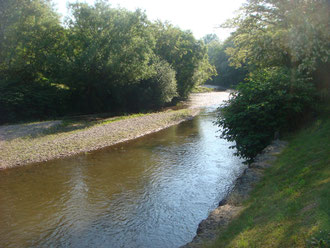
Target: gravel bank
{"points": [[38, 148], [31, 143]]}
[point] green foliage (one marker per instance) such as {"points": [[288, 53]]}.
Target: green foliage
{"points": [[276, 33], [185, 54], [227, 76], [321, 241], [31, 101], [102, 59], [162, 85], [201, 89], [285, 44], [272, 100], [155, 91], [29, 31], [210, 38], [289, 207], [107, 50]]}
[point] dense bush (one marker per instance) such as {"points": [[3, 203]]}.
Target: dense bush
{"points": [[160, 88], [107, 51], [227, 76], [187, 56], [32, 101], [154, 92], [272, 100]]}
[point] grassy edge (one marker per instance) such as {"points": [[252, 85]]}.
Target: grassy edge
{"points": [[290, 207]]}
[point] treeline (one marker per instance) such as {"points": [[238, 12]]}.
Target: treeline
{"points": [[227, 76], [284, 48], [101, 59]]}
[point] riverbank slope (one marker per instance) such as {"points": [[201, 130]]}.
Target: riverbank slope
{"points": [[288, 207], [38, 142]]}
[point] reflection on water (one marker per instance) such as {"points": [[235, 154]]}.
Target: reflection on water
{"points": [[151, 192]]}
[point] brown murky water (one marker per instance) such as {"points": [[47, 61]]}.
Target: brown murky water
{"points": [[151, 192]]}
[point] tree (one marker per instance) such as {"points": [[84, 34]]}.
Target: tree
{"points": [[285, 45], [29, 32], [107, 50], [227, 76], [272, 100], [185, 54], [156, 91], [209, 38], [101, 59], [271, 33]]}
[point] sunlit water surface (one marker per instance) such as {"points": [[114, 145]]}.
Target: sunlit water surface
{"points": [[150, 192]]}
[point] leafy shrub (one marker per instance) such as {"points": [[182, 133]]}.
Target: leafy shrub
{"points": [[163, 84], [227, 76], [187, 56], [272, 100], [156, 91], [30, 101]]}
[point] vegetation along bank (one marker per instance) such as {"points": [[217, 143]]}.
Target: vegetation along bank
{"points": [[282, 50], [104, 59], [281, 200], [98, 59]]}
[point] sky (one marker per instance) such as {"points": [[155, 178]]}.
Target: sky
{"points": [[200, 16]]}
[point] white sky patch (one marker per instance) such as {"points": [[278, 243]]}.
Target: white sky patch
{"points": [[201, 17]]}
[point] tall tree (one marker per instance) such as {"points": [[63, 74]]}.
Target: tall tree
{"points": [[209, 38], [227, 75], [285, 45], [107, 50], [29, 32], [270, 32], [185, 54]]}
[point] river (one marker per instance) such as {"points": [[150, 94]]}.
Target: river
{"points": [[149, 192]]}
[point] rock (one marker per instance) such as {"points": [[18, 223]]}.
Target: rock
{"points": [[244, 185], [207, 229]]}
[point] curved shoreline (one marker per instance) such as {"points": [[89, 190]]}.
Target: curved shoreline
{"points": [[232, 205], [43, 147], [39, 142]]}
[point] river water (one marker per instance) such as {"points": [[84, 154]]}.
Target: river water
{"points": [[150, 192]]}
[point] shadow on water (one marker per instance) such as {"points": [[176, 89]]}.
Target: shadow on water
{"points": [[150, 192]]}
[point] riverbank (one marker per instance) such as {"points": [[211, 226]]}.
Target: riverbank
{"points": [[38, 142], [281, 200], [232, 205], [43, 142]]}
